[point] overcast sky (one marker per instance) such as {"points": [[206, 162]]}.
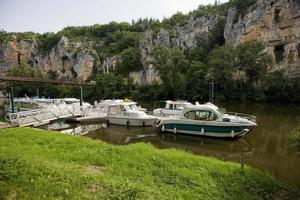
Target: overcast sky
{"points": [[53, 15]]}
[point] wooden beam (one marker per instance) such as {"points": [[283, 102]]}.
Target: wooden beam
{"points": [[42, 80]]}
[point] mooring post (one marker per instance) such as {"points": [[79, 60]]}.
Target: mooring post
{"points": [[81, 95], [38, 93], [242, 159], [211, 92], [12, 103]]}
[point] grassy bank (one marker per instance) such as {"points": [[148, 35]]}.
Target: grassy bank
{"points": [[36, 164]]}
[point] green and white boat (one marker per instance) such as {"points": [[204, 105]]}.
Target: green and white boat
{"points": [[208, 120]]}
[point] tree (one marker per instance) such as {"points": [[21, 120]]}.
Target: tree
{"points": [[129, 61], [222, 67], [110, 86], [24, 70], [196, 79], [222, 62], [252, 63], [171, 65], [252, 60]]}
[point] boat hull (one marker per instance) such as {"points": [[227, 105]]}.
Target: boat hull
{"points": [[124, 121], [221, 130]]}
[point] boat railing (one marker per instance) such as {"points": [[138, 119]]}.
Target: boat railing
{"points": [[246, 116], [38, 116]]}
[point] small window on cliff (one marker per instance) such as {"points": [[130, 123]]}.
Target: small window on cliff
{"points": [[279, 52], [19, 58], [276, 15], [298, 50]]}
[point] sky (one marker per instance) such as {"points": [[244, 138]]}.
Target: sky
{"points": [[53, 15]]}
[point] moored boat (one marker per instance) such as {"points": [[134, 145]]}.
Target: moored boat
{"points": [[207, 120], [127, 113], [172, 108]]}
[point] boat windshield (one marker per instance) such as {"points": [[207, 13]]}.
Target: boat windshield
{"points": [[133, 107], [221, 111]]}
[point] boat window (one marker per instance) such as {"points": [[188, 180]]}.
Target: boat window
{"points": [[171, 106], [122, 108], [203, 115], [179, 106], [114, 109], [133, 107], [221, 111], [190, 115]]}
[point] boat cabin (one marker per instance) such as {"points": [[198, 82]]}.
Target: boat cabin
{"points": [[176, 105]]}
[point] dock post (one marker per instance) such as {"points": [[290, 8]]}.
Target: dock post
{"points": [[12, 103], [81, 95], [242, 158], [38, 93]]}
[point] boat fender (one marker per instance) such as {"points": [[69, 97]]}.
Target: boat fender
{"points": [[127, 123], [202, 131], [163, 128], [175, 130], [232, 133]]}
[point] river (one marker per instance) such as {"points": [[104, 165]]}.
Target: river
{"points": [[266, 147]]}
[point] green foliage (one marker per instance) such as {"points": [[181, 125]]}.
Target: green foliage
{"points": [[47, 41], [204, 10], [4, 36], [222, 63], [252, 60], [118, 41], [196, 78], [151, 92], [176, 19], [109, 86], [171, 65], [37, 164], [129, 61], [23, 70]]}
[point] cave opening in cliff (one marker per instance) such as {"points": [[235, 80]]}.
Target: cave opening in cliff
{"points": [[279, 53], [19, 58], [277, 15], [65, 63]]}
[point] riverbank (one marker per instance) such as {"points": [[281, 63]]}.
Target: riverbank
{"points": [[37, 164]]}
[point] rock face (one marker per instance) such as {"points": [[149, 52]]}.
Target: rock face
{"points": [[13, 52], [276, 23], [67, 60], [182, 37]]}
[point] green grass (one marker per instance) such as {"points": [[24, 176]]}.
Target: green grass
{"points": [[37, 164]]}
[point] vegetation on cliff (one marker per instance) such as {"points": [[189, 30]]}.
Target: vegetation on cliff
{"points": [[37, 164]]}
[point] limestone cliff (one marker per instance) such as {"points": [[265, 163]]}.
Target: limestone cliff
{"points": [[67, 60], [276, 23], [182, 37]]}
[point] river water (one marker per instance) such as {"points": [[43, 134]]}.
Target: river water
{"points": [[266, 147]]}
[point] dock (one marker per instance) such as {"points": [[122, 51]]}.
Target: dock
{"points": [[39, 117]]}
